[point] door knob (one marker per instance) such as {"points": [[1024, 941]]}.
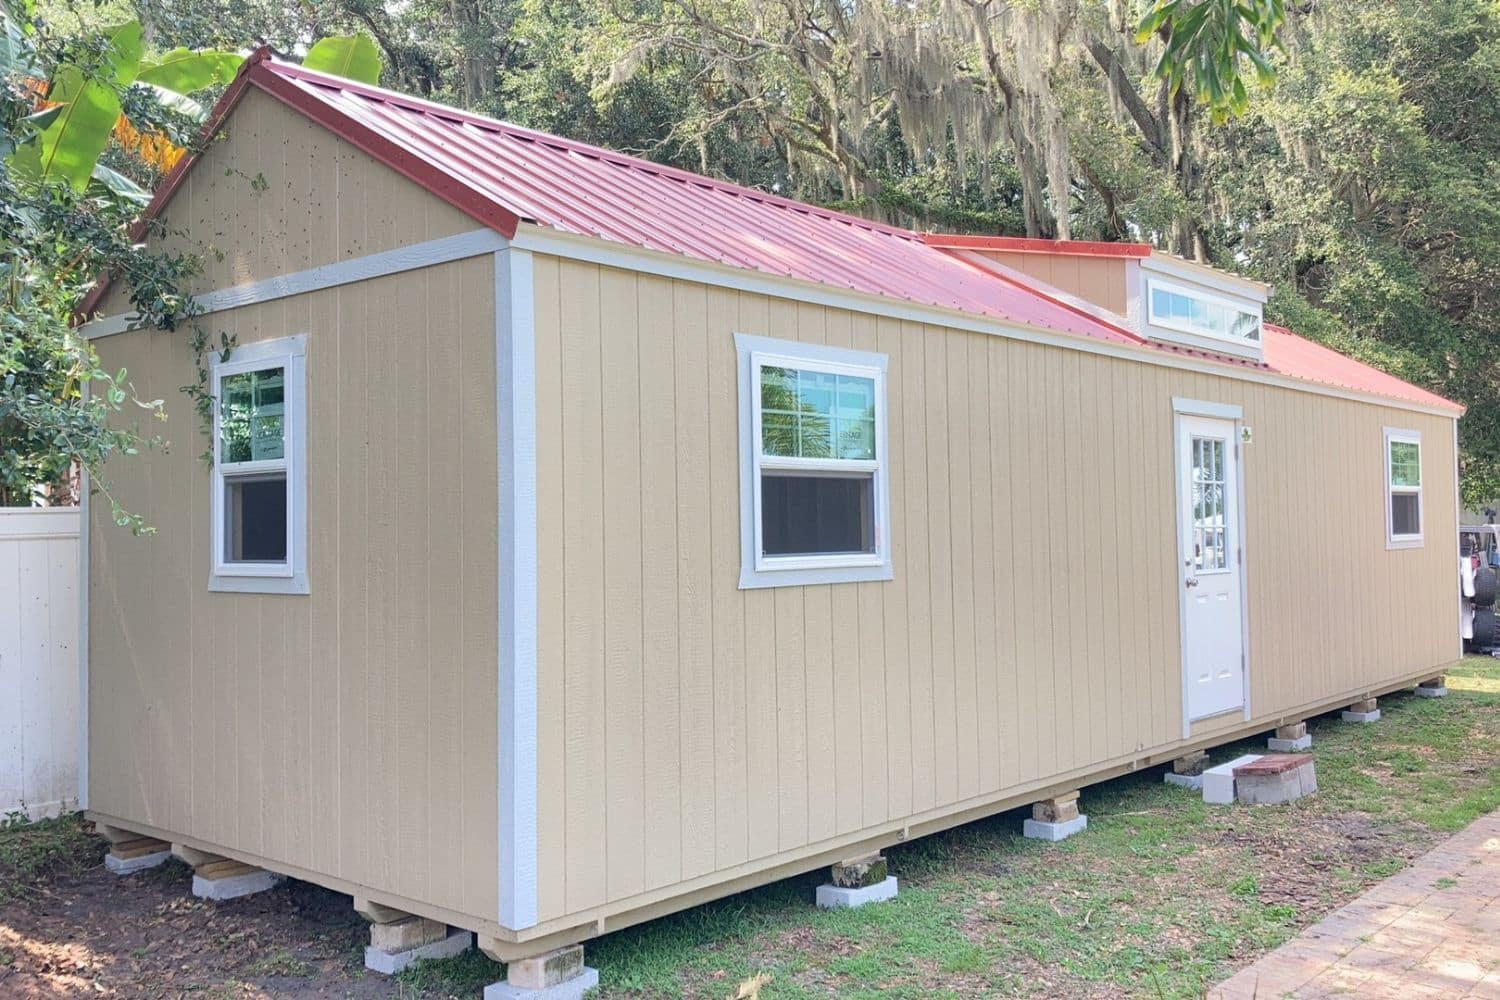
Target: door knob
{"points": [[1191, 581]]}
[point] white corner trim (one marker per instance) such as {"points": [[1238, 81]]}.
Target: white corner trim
{"points": [[515, 412], [84, 486], [376, 265], [609, 254], [1458, 518], [753, 573], [1205, 408]]}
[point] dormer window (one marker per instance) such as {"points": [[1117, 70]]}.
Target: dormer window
{"points": [[1194, 311]]}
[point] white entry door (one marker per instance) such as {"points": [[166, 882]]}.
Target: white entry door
{"points": [[1213, 638]]}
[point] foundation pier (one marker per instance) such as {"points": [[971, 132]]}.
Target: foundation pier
{"points": [[1187, 771], [1289, 739], [857, 882], [1055, 819], [1364, 710], [1436, 687], [554, 975]]}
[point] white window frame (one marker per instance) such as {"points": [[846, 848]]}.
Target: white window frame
{"points": [[1392, 436], [1168, 323], [760, 570], [288, 577]]}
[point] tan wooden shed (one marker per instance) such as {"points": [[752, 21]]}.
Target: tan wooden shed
{"points": [[587, 539]]}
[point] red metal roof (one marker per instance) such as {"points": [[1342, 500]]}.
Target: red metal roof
{"points": [[576, 188], [502, 175], [1288, 353]]}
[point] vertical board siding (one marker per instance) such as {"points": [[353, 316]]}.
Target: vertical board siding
{"points": [[39, 660], [1031, 630], [350, 731]]}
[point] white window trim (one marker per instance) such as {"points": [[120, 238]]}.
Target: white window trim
{"points": [[1167, 323], [1392, 540], [757, 570], [290, 577]]}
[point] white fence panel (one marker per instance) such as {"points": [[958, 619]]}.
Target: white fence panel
{"points": [[39, 605]]}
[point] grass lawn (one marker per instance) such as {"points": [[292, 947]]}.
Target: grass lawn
{"points": [[1161, 897]]}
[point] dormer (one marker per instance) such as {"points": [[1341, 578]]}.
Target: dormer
{"points": [[1161, 297], [1178, 301]]}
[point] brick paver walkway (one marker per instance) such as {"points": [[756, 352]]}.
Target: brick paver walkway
{"points": [[1433, 930]]}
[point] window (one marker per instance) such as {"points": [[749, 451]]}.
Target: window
{"points": [[1177, 307], [259, 494], [1403, 489], [814, 495], [1210, 522]]}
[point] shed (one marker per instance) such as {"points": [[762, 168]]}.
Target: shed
{"points": [[587, 539]]}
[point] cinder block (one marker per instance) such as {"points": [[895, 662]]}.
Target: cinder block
{"points": [[1276, 744], [407, 933], [223, 880], [1192, 782], [573, 989], [1058, 809], [456, 942], [1275, 779], [1054, 831], [1438, 691], [863, 872], [833, 897], [1218, 782], [1191, 764], [1365, 717], [116, 865]]}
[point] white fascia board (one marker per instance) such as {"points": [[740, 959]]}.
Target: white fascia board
{"points": [[631, 258], [1209, 277], [474, 243], [516, 703]]}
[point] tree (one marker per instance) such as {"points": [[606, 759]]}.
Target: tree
{"points": [[70, 106]]}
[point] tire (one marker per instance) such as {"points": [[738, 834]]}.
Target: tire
{"points": [[1484, 587], [1485, 631]]}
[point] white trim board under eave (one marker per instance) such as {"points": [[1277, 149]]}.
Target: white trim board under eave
{"points": [[631, 258], [474, 243], [516, 586]]}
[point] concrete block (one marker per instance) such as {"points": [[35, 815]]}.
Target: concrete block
{"points": [[1218, 782], [1277, 744], [407, 933], [857, 874], [833, 897], [1058, 809], [116, 865], [1191, 764], [1440, 691], [223, 880], [547, 969], [1275, 779], [1192, 782], [1054, 831], [1365, 717], [573, 989], [456, 942]]}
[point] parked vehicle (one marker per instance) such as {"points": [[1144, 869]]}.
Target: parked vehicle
{"points": [[1478, 567]]}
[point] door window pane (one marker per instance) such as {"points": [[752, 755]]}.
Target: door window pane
{"points": [[1210, 521], [255, 519], [816, 515]]}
